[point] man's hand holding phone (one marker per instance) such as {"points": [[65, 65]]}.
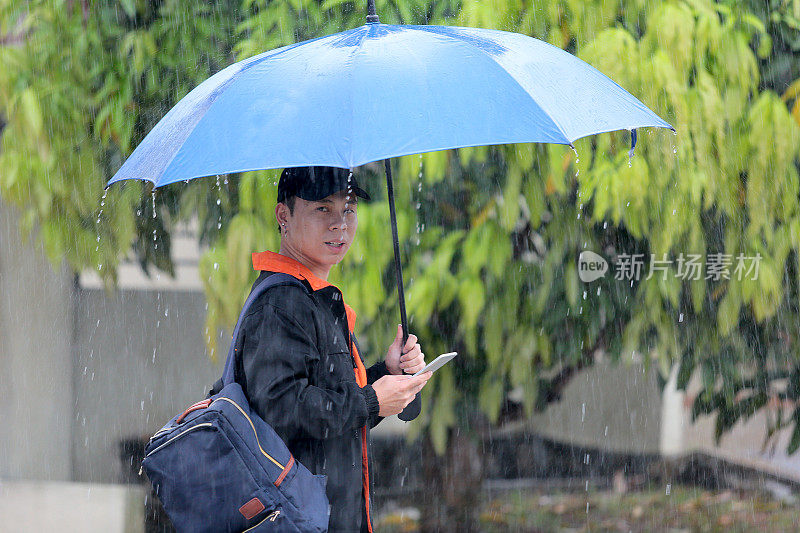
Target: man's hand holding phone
{"points": [[395, 392]]}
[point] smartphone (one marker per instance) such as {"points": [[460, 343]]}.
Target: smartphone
{"points": [[437, 363]]}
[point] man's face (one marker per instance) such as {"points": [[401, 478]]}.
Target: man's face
{"points": [[318, 234]]}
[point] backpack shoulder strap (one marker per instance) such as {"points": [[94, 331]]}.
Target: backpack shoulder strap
{"points": [[267, 283]]}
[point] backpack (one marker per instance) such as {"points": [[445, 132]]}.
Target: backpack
{"points": [[218, 467]]}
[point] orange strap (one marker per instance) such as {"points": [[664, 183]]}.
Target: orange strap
{"points": [[361, 379]]}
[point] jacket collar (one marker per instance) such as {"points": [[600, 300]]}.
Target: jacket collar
{"points": [[273, 262]]}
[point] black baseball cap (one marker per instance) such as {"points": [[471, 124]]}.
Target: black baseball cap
{"points": [[316, 183]]}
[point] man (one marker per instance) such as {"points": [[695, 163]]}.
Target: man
{"points": [[300, 365]]}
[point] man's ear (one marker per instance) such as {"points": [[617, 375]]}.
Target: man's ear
{"points": [[282, 213]]}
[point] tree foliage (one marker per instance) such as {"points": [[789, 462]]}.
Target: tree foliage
{"points": [[490, 235]]}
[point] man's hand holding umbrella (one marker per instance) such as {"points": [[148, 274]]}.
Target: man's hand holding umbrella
{"points": [[396, 391]]}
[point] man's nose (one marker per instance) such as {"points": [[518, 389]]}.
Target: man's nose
{"points": [[338, 222]]}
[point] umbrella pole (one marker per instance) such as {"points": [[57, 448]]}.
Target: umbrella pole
{"points": [[412, 410], [398, 268]]}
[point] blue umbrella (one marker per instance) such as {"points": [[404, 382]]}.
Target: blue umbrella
{"points": [[382, 91]]}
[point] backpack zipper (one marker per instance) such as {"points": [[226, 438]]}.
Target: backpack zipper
{"points": [[182, 433], [271, 517]]}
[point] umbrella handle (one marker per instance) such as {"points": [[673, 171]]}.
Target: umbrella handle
{"points": [[412, 410]]}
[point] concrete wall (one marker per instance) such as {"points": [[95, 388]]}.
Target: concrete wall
{"points": [[71, 507], [139, 360], [35, 360], [81, 370], [616, 408]]}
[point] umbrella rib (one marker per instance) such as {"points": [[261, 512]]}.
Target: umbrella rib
{"points": [[356, 50], [244, 65], [509, 74]]}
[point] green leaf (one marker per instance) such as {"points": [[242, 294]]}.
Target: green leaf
{"points": [[471, 297]]}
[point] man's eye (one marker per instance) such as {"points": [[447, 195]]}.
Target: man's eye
{"points": [[349, 211], [322, 208]]}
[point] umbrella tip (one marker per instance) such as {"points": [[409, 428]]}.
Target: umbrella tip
{"points": [[372, 15]]}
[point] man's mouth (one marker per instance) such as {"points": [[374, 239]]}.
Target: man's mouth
{"points": [[335, 244]]}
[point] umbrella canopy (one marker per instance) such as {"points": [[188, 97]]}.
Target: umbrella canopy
{"points": [[380, 91]]}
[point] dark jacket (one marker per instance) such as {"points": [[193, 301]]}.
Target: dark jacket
{"points": [[297, 370]]}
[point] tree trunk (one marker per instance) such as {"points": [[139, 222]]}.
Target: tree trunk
{"points": [[453, 481]]}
